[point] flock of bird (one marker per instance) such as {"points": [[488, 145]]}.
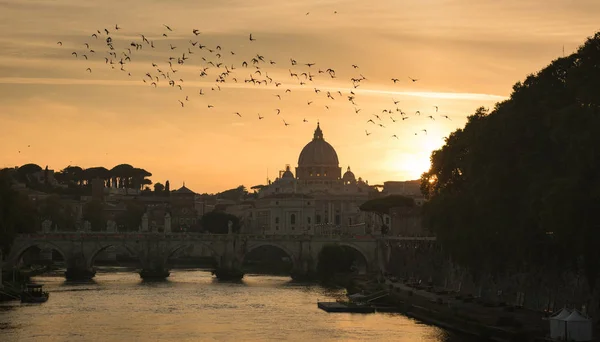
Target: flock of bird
{"points": [[214, 65]]}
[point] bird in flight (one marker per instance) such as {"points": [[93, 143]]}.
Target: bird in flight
{"points": [[211, 106], [436, 108], [251, 39], [181, 103], [195, 31], [355, 66], [278, 111], [367, 133], [395, 136], [260, 117], [278, 96], [413, 79], [285, 123], [168, 28], [238, 114], [424, 130], [304, 120], [117, 27], [88, 69], [446, 116], [59, 43]]}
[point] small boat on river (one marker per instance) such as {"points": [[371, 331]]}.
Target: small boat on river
{"points": [[33, 293]]}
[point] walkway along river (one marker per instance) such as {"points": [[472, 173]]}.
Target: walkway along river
{"points": [[194, 306]]}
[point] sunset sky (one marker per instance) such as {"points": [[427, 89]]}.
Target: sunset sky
{"points": [[465, 53]]}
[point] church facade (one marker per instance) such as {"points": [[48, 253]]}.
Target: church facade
{"points": [[318, 199]]}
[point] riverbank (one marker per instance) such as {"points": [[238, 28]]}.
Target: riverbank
{"points": [[465, 315]]}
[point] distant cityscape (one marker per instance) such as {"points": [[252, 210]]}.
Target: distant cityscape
{"points": [[317, 199]]}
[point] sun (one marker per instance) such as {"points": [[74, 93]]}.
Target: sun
{"points": [[409, 165]]}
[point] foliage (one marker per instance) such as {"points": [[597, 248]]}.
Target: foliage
{"points": [[17, 213], [159, 188], [93, 212], [523, 180], [131, 218], [235, 194], [61, 215], [216, 222], [334, 259]]}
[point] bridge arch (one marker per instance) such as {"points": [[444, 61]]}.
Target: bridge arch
{"points": [[16, 255], [281, 247], [96, 251], [173, 251], [356, 249]]}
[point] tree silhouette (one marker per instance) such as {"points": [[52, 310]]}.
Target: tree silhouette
{"points": [[518, 188], [217, 222], [159, 188]]}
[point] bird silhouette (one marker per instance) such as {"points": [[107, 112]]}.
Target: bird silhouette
{"points": [[436, 108], [285, 123], [278, 111], [59, 43], [395, 136], [181, 103], [260, 117], [238, 114], [413, 79], [251, 38], [168, 28], [367, 133]]}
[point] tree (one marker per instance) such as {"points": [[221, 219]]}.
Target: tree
{"points": [[26, 170], [159, 188], [235, 194], [122, 174], [61, 215], [217, 222], [168, 187], [518, 187], [93, 212], [17, 213], [71, 175], [131, 218]]}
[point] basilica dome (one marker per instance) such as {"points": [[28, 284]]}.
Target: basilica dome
{"points": [[349, 176], [318, 152]]}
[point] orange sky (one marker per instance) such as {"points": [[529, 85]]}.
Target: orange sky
{"points": [[465, 54]]}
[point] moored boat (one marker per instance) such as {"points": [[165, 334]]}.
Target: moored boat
{"points": [[33, 293]]}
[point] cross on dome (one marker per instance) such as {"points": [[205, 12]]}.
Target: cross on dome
{"points": [[318, 133]]}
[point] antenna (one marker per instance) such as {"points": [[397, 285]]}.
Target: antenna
{"points": [[563, 50]]}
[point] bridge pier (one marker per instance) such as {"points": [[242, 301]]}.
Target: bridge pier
{"points": [[78, 269], [155, 269], [228, 268]]}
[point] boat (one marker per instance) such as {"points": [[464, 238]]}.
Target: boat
{"points": [[33, 293]]}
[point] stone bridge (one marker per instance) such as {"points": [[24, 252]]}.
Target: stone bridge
{"points": [[79, 249]]}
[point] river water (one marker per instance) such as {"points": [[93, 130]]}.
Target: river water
{"points": [[193, 306]]}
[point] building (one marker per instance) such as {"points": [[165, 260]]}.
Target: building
{"points": [[318, 199], [183, 208], [406, 222]]}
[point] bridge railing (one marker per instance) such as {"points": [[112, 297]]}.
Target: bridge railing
{"points": [[213, 237]]}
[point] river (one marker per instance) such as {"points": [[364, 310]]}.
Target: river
{"points": [[193, 306]]}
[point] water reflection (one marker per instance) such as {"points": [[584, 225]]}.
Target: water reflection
{"points": [[192, 306]]}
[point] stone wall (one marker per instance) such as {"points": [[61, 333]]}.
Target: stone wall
{"points": [[541, 290]]}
